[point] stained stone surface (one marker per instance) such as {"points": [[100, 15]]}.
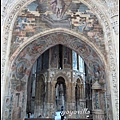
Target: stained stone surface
{"points": [[34, 19], [98, 23]]}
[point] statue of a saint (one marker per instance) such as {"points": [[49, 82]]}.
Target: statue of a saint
{"points": [[58, 7], [53, 4]]}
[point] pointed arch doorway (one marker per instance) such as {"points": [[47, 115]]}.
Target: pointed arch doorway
{"points": [[60, 97], [38, 45], [112, 94]]}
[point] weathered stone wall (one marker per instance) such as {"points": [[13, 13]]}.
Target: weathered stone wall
{"points": [[22, 65], [107, 14]]}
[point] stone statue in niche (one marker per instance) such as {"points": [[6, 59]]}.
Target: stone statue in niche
{"points": [[54, 57], [96, 70], [59, 96], [67, 55], [21, 69], [77, 92], [99, 73], [20, 85], [53, 4]]}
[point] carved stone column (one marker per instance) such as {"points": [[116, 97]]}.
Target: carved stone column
{"points": [[52, 101], [73, 101], [39, 96], [68, 98], [98, 113], [82, 108], [48, 101], [16, 101]]}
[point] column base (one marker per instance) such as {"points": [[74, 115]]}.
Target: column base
{"points": [[98, 114]]}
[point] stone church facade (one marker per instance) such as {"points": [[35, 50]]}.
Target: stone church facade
{"points": [[60, 55]]}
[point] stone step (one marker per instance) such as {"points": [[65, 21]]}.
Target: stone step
{"points": [[38, 119], [80, 119]]}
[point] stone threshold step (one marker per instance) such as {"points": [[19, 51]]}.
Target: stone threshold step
{"points": [[80, 119], [38, 119]]}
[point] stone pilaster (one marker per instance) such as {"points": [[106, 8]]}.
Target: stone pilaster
{"points": [[98, 113]]}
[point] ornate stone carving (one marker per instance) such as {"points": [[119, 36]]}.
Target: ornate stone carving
{"points": [[108, 39], [111, 57]]}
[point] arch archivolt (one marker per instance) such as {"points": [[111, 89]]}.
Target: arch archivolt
{"points": [[63, 75], [57, 41], [79, 78], [35, 48]]}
